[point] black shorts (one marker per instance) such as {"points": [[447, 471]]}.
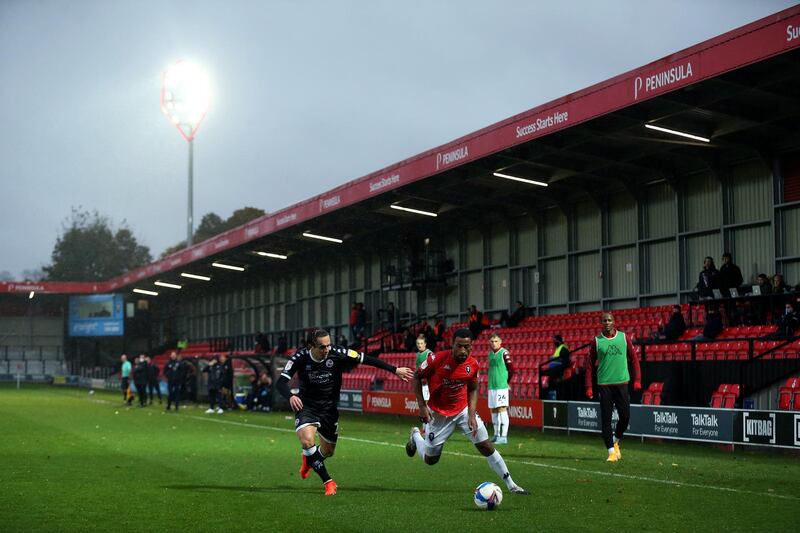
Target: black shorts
{"points": [[326, 422]]}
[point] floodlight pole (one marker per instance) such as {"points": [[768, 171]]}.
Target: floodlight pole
{"points": [[189, 229]]}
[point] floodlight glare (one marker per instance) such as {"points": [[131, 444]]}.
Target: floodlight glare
{"points": [[322, 237], [228, 267], [185, 95], [274, 256], [143, 291], [168, 285], [523, 180], [678, 133], [416, 211], [195, 276]]}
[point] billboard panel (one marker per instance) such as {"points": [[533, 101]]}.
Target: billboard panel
{"points": [[96, 315]]}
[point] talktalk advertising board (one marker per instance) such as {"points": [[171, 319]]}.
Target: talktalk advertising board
{"points": [[96, 315]]}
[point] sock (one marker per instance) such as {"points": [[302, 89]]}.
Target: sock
{"points": [[420, 442], [611, 450], [504, 424], [497, 464], [315, 459], [616, 440], [494, 424]]}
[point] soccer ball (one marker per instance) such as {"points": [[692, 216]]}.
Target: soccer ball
{"points": [[488, 496]]}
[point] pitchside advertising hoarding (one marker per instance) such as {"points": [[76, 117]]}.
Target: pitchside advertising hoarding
{"points": [[520, 413], [96, 315]]}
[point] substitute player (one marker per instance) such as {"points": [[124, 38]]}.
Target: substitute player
{"points": [[453, 383], [422, 354], [500, 372], [320, 367], [611, 352]]}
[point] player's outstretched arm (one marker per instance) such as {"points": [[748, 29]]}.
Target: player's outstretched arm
{"points": [[402, 372]]}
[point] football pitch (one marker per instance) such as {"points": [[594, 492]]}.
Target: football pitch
{"points": [[72, 461]]}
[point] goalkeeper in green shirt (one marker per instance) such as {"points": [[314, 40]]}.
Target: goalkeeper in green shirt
{"points": [[611, 353]]}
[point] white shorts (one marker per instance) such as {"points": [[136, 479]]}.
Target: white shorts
{"points": [[441, 427], [426, 393], [498, 398]]}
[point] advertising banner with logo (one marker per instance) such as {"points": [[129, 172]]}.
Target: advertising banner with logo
{"points": [[350, 400], [520, 413], [768, 428], [96, 315]]}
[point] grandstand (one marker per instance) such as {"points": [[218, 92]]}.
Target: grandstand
{"points": [[611, 206]]}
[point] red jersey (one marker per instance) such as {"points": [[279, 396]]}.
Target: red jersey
{"points": [[447, 381]]}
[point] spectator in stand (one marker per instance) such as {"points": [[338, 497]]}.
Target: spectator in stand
{"points": [[760, 306], [438, 329], [391, 317], [475, 321], [153, 383], [140, 372], [730, 275], [125, 377], [675, 327], [558, 362], [515, 317], [787, 323], [354, 322], [282, 346], [779, 286], [175, 372], [361, 322], [713, 326], [183, 342], [215, 377], [708, 279], [430, 336], [226, 389], [409, 341], [262, 343]]}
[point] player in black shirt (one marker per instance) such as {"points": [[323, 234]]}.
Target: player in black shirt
{"points": [[320, 368]]}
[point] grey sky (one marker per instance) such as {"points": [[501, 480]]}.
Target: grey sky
{"points": [[307, 95]]}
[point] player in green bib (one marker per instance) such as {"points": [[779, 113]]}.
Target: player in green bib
{"points": [[422, 354], [500, 372], [611, 353]]}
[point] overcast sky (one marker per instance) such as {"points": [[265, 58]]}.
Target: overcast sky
{"points": [[306, 95]]}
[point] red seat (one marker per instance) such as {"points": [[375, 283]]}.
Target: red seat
{"points": [[716, 399], [785, 398]]}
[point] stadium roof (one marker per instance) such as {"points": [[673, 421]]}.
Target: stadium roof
{"points": [[740, 92]]}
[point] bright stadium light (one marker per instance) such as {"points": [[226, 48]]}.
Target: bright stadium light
{"points": [[322, 237], [228, 267], [274, 256], [185, 96], [144, 291], [415, 211], [523, 180], [168, 285], [195, 276], [678, 133]]}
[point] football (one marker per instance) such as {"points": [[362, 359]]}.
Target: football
{"points": [[488, 496]]}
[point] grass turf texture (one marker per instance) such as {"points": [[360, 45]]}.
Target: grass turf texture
{"points": [[78, 462]]}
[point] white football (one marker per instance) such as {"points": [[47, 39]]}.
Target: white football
{"points": [[488, 496]]}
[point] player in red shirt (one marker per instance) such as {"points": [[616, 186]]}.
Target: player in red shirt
{"points": [[453, 385]]}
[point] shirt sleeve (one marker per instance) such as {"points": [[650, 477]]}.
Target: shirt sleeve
{"points": [[426, 368], [633, 359], [590, 362], [292, 366], [509, 365]]}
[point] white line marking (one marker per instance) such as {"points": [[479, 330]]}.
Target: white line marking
{"points": [[527, 463]]}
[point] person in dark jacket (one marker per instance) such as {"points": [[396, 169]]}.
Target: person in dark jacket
{"points": [[713, 326], [140, 379], [226, 390], [215, 373], [730, 275], [175, 372], [787, 323], [708, 280], [674, 328], [153, 383]]}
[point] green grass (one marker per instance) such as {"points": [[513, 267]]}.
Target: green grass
{"points": [[78, 462]]}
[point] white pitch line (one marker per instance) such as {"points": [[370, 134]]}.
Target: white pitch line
{"points": [[527, 463]]}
